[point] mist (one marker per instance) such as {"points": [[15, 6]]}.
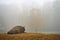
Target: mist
{"points": [[35, 15]]}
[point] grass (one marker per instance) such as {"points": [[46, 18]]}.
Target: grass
{"points": [[29, 36]]}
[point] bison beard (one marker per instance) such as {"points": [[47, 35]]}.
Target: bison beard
{"points": [[16, 30]]}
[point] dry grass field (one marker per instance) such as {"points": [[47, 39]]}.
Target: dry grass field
{"points": [[29, 36]]}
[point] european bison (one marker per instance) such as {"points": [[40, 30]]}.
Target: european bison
{"points": [[17, 30]]}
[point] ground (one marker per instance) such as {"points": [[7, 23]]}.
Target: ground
{"points": [[29, 36]]}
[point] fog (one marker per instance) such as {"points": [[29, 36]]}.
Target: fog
{"points": [[35, 15]]}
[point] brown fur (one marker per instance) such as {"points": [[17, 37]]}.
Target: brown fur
{"points": [[16, 30]]}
